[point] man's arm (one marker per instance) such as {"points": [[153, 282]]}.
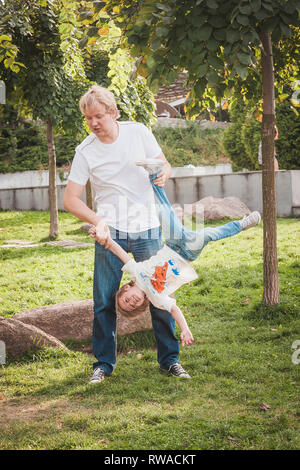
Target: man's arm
{"points": [[79, 209]]}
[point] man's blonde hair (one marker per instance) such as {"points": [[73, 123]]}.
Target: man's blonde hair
{"points": [[137, 311], [97, 94]]}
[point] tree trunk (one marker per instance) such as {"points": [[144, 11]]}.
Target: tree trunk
{"points": [[89, 195], [270, 283], [52, 181]]}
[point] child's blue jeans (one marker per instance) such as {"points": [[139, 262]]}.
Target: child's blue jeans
{"points": [[188, 243]]}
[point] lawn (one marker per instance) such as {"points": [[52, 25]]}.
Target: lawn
{"points": [[244, 391]]}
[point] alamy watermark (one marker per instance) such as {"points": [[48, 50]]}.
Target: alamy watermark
{"points": [[296, 353], [2, 353], [2, 92]]}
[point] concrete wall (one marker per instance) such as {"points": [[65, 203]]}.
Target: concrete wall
{"points": [[246, 186], [184, 187]]}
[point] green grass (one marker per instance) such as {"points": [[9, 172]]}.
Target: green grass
{"points": [[241, 358]]}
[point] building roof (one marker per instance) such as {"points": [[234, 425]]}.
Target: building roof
{"points": [[175, 91]]}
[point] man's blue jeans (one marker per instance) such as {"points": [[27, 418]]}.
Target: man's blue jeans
{"points": [[187, 243], [107, 278]]}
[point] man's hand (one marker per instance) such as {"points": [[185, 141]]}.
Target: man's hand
{"points": [[161, 179], [165, 173], [186, 337], [101, 234]]}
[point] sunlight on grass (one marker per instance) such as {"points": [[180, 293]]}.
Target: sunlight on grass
{"points": [[244, 392]]}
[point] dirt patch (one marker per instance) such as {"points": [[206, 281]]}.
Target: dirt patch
{"points": [[28, 244], [24, 410]]}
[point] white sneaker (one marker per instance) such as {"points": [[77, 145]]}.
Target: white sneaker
{"points": [[250, 221], [98, 376], [152, 165]]}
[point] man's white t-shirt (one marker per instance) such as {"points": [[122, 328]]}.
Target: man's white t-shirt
{"points": [[160, 276], [122, 190]]}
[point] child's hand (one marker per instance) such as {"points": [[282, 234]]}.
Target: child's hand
{"points": [[101, 234], [92, 231], [186, 337]]}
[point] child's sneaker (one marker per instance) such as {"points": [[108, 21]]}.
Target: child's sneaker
{"points": [[152, 165], [250, 221]]}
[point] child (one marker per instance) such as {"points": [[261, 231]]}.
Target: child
{"points": [[157, 278]]}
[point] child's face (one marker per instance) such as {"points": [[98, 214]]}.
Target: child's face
{"points": [[131, 298]]}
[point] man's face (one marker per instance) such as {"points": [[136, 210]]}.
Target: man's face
{"points": [[131, 298], [99, 120]]}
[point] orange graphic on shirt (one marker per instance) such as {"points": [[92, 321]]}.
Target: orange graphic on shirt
{"points": [[159, 277]]}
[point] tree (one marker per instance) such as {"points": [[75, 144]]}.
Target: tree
{"points": [[44, 81], [219, 43]]}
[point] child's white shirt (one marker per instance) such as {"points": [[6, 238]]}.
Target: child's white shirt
{"points": [[160, 276]]}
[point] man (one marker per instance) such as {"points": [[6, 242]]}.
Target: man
{"points": [[126, 212]]}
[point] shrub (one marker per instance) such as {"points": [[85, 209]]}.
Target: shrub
{"points": [[288, 143], [241, 140]]}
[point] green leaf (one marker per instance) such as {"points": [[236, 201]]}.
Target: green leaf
{"points": [[241, 70], [164, 7], [98, 5], [212, 45], [151, 64], [213, 77], [83, 42], [217, 21], [162, 31], [286, 30], [232, 35], [245, 9], [202, 69], [92, 32], [215, 62], [4, 37], [220, 34], [243, 20], [213, 4], [156, 44], [204, 32], [255, 5], [244, 59]]}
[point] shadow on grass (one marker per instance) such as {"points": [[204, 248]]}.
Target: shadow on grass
{"points": [[281, 313]]}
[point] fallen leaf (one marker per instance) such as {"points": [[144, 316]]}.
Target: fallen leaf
{"points": [[246, 301], [233, 439], [264, 406], [1, 397], [59, 426]]}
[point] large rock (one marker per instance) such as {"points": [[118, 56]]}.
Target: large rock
{"points": [[67, 320], [211, 208], [74, 320], [19, 337]]}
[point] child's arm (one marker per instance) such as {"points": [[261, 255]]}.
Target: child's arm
{"points": [[186, 335], [111, 245]]}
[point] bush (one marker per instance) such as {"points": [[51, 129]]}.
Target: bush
{"points": [[241, 140], [234, 147], [288, 143], [191, 145]]}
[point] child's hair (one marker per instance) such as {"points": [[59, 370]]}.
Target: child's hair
{"points": [[133, 313]]}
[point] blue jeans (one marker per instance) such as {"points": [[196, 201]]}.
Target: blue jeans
{"points": [[107, 278], [188, 243]]}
